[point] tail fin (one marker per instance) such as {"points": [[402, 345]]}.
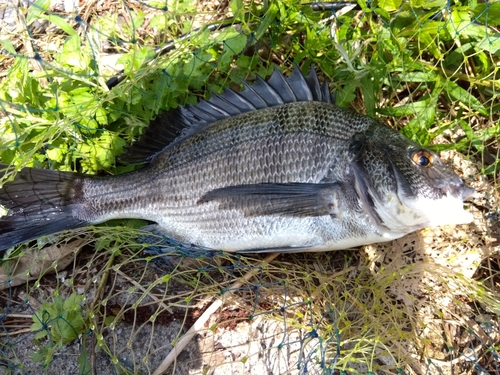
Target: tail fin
{"points": [[40, 202]]}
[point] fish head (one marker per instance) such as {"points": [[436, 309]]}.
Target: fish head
{"points": [[406, 186]]}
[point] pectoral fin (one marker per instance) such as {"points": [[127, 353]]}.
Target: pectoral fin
{"points": [[289, 199]]}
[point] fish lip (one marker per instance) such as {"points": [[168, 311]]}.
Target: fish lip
{"points": [[459, 190], [467, 192]]}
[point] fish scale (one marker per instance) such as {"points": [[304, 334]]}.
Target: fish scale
{"points": [[276, 167]]}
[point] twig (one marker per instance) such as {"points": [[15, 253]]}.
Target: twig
{"points": [[28, 43], [200, 323], [98, 298], [104, 280], [19, 332], [21, 316]]}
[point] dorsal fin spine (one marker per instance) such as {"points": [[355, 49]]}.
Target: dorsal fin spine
{"points": [[280, 84], [249, 93], [236, 98], [177, 124], [220, 100]]}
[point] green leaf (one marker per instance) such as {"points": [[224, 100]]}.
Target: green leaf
{"points": [[435, 4], [36, 9], [137, 18], [194, 67], [136, 58], [246, 62], [84, 365], [405, 109], [108, 320], [389, 5], [461, 25], [224, 60], [64, 330], [38, 356], [82, 98], [383, 13], [56, 154], [40, 334], [72, 54], [368, 94], [417, 127], [101, 116], [493, 168], [7, 44], [347, 94], [236, 44], [427, 76], [365, 7], [65, 320], [488, 13], [61, 23], [460, 19], [57, 307], [458, 93], [159, 21], [44, 354], [237, 8], [490, 44], [101, 152], [484, 62], [88, 125], [430, 28], [428, 42], [265, 22], [428, 4], [469, 132], [72, 302]]}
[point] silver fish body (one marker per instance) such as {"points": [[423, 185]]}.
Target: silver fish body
{"points": [[277, 167]]}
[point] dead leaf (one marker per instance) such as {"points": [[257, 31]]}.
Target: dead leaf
{"points": [[36, 263]]}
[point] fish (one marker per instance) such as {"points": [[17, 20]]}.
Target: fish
{"points": [[275, 167]]}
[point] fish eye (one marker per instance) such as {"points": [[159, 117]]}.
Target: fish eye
{"points": [[422, 158]]}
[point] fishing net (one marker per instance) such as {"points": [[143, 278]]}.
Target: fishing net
{"points": [[81, 80]]}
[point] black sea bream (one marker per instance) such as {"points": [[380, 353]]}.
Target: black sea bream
{"points": [[276, 167]]}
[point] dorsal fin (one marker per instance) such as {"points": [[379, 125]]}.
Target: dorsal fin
{"points": [[179, 123]]}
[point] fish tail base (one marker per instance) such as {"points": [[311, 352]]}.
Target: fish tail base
{"points": [[39, 202]]}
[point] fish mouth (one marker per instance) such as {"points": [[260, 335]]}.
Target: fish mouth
{"points": [[458, 190], [453, 186], [467, 192]]}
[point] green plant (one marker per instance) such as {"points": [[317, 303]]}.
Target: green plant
{"points": [[61, 322]]}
